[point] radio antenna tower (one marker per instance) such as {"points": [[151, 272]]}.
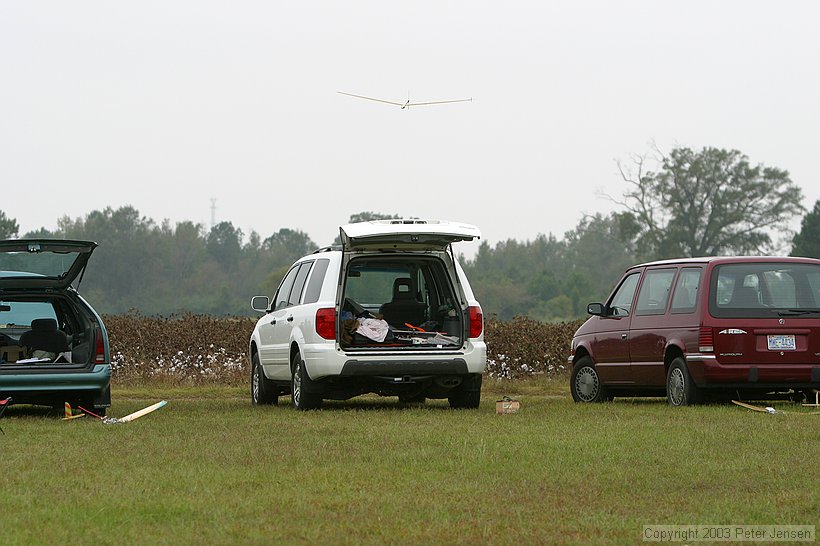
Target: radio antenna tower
{"points": [[213, 212]]}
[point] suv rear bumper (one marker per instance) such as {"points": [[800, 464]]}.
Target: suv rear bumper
{"points": [[707, 371], [325, 360], [455, 366]]}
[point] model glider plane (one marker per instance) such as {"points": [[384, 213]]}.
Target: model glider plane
{"points": [[128, 418], [770, 409], [407, 104]]}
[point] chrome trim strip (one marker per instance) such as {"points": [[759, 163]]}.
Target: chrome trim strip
{"points": [[700, 358]]}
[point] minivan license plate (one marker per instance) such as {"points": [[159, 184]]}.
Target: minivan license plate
{"points": [[781, 342]]}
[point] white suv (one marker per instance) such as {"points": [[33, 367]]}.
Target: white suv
{"points": [[389, 311]]}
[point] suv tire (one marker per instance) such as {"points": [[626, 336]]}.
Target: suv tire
{"points": [[680, 388], [468, 394], [263, 391], [416, 400], [300, 399], [585, 384]]}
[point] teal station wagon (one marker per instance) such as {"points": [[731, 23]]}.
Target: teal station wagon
{"points": [[53, 345]]}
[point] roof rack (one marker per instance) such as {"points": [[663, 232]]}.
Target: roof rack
{"points": [[330, 248]]}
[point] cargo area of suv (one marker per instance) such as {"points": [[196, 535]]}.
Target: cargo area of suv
{"points": [[412, 295]]}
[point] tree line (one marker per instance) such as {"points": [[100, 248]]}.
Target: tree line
{"points": [[692, 203]]}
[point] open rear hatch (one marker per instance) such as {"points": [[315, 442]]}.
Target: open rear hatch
{"points": [[42, 263], [402, 272], [400, 234], [40, 326]]}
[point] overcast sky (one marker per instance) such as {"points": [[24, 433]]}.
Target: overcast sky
{"points": [[164, 105]]}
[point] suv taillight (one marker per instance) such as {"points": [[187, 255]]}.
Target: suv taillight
{"points": [[476, 321], [326, 322], [99, 352], [706, 343]]}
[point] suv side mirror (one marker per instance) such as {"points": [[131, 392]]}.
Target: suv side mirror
{"points": [[260, 303], [596, 309]]}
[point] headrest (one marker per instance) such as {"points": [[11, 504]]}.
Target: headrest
{"points": [[745, 296], [403, 289], [44, 325]]}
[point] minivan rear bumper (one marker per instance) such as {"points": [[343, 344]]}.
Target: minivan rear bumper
{"points": [[707, 371]]}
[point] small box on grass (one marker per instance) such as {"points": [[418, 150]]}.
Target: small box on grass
{"points": [[507, 405]]}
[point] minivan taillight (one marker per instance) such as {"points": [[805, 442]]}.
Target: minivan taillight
{"points": [[99, 352], [476, 321], [706, 342], [326, 322]]}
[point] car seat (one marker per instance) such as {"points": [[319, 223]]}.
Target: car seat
{"points": [[45, 336], [744, 297], [404, 307]]}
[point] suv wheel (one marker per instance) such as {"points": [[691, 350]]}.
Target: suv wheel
{"points": [[585, 384], [263, 391], [299, 379], [468, 394], [680, 389], [416, 400]]}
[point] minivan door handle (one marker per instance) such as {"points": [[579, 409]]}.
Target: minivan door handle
{"points": [[290, 318], [273, 322], [623, 336]]}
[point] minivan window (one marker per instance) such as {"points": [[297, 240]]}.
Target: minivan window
{"points": [[814, 285], [686, 290], [654, 292], [284, 288], [782, 291], [764, 289], [621, 303], [317, 279]]}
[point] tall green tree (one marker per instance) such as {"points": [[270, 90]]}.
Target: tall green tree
{"points": [[707, 202], [8, 226], [367, 216], [807, 241], [225, 242], [293, 243]]}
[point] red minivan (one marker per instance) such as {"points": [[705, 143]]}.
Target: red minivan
{"points": [[693, 327]]}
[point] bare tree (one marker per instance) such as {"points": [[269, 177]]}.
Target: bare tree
{"points": [[707, 202]]}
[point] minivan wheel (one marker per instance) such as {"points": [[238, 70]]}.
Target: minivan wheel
{"points": [[585, 384], [263, 391], [680, 388], [300, 399]]}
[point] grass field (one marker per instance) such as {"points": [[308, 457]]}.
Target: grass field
{"points": [[210, 469]]}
